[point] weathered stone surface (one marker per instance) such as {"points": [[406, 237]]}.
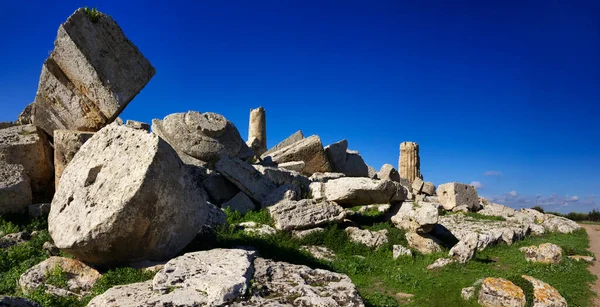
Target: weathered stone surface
{"points": [[66, 145], [409, 162], [131, 295], [417, 186], [360, 191], [138, 125], [324, 177], [388, 172], [80, 277], [559, 224], [36, 210], [399, 250], [240, 202], [346, 161], [253, 228], [544, 295], [582, 258], [306, 213], [496, 292], [204, 136], [296, 166], [440, 263], [246, 178], [424, 243], [297, 136], [281, 176], [51, 248], [454, 194], [310, 150], [355, 165], [465, 249], [303, 233], [367, 237], [90, 77], [126, 196], [547, 253], [416, 216], [372, 172], [29, 146], [467, 293], [492, 209], [258, 129], [12, 301], [209, 278], [319, 252], [14, 239], [26, 116], [15, 191], [286, 192], [428, 188], [218, 188]]}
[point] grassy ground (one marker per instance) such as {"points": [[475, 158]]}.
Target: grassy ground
{"points": [[381, 280]]}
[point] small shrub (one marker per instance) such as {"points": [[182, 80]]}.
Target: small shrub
{"points": [[93, 14], [526, 286], [538, 208], [57, 277]]}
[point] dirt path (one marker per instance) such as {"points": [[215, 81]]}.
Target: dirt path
{"points": [[593, 232]]}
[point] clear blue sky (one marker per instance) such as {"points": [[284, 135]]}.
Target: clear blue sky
{"points": [[511, 88]]}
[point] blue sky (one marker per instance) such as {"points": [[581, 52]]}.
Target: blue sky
{"points": [[505, 94]]}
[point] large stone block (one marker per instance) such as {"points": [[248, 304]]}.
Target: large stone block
{"points": [[29, 146], [15, 192], [125, 197], [246, 178], [455, 194], [354, 191], [66, 145], [297, 136], [309, 150], [91, 75], [348, 162]]}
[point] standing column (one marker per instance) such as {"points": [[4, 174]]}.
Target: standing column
{"points": [[409, 163], [258, 130]]}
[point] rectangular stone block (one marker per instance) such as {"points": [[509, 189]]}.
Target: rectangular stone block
{"points": [[455, 194]]}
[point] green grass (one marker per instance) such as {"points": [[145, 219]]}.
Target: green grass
{"points": [[93, 14], [57, 277], [477, 216]]}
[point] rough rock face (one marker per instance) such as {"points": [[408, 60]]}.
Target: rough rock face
{"points": [[218, 188], [246, 178], [11, 301], [417, 185], [204, 136], [324, 177], [467, 293], [26, 116], [410, 163], [416, 216], [500, 292], [284, 177], [424, 243], [367, 237], [388, 172], [90, 77], [399, 250], [492, 209], [309, 150], [346, 161], [29, 146], [454, 194], [137, 125], [297, 136], [559, 224], [465, 249], [240, 202], [253, 228], [80, 277], [66, 145], [360, 191], [296, 166], [428, 188], [258, 129], [544, 253], [545, 295], [131, 295], [306, 213], [15, 191], [92, 221], [286, 192]]}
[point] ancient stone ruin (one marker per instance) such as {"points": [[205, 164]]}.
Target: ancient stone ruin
{"points": [[257, 131], [409, 162]]}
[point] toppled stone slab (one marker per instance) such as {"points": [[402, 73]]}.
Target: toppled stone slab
{"points": [[547, 253], [296, 166], [399, 250], [204, 136], [455, 194], [388, 172], [80, 277], [306, 213], [428, 188], [319, 252], [465, 249], [467, 293], [297, 136], [253, 228], [491, 209], [15, 191], [417, 185], [559, 224], [281, 176], [367, 237], [500, 292], [440, 263], [544, 295], [138, 125], [416, 216], [91, 75], [66, 144], [286, 192], [353, 191], [309, 150], [240, 202], [346, 161], [28, 146], [246, 178], [423, 243], [324, 177], [148, 220]]}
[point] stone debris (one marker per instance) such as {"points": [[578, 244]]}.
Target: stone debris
{"points": [[428, 188], [589, 259], [138, 125], [91, 75], [417, 186], [15, 188], [367, 237], [13, 239], [465, 249], [300, 234], [545, 295], [286, 192], [440, 263], [240, 202], [409, 162], [467, 293], [355, 191], [219, 189], [399, 250], [454, 194], [296, 166], [424, 243], [309, 150], [319, 252], [416, 217], [345, 161], [305, 213], [80, 277], [500, 292], [66, 144], [560, 224], [253, 228], [297, 136], [246, 178], [324, 177], [547, 253], [92, 221]]}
